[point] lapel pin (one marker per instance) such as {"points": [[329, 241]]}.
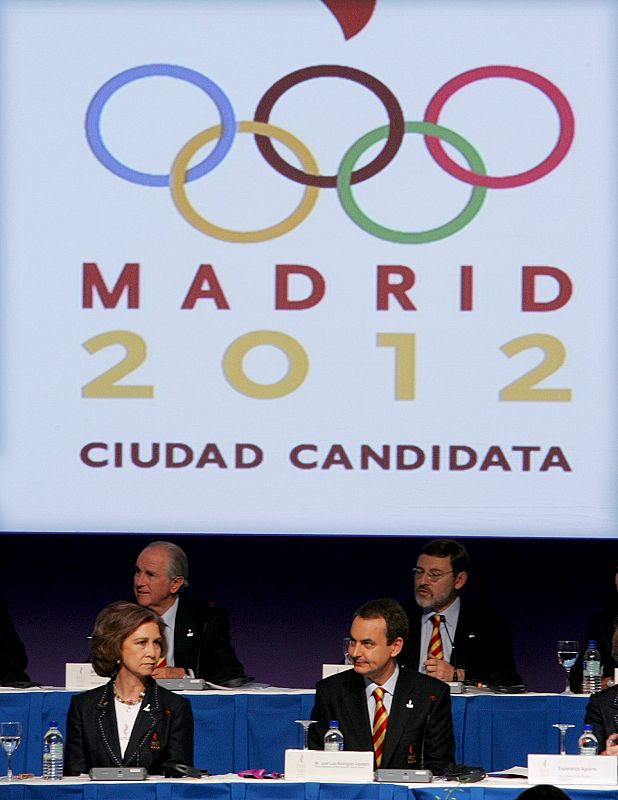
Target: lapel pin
{"points": [[409, 704], [146, 708], [189, 632]]}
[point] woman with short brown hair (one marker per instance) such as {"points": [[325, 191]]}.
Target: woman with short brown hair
{"points": [[130, 721]]}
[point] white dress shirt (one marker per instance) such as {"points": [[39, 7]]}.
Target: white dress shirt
{"points": [[170, 621], [389, 691]]}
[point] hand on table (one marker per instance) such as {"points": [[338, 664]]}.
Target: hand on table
{"points": [[611, 745], [169, 672]]}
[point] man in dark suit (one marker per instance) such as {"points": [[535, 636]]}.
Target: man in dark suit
{"points": [[403, 716], [449, 639], [13, 659], [199, 632], [602, 712], [601, 628]]}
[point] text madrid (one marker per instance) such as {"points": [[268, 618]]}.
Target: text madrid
{"points": [[394, 283], [400, 457]]}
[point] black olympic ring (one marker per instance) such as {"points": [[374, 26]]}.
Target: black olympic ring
{"points": [[384, 94]]}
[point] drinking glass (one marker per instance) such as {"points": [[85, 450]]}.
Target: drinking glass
{"points": [[567, 655], [10, 737], [563, 728], [346, 650], [305, 723]]}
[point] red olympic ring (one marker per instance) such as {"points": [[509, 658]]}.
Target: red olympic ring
{"points": [[565, 139], [384, 94]]}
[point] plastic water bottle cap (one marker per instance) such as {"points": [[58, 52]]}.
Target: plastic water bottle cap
{"points": [[592, 644], [53, 723], [587, 727], [334, 723]]}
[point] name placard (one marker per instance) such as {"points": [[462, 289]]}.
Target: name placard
{"points": [[316, 765], [82, 676], [573, 770], [334, 669]]}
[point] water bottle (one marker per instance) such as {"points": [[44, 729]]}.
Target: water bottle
{"points": [[592, 669], [333, 738], [588, 742], [53, 755]]}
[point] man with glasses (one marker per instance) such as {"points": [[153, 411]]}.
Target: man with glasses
{"points": [[449, 639]]}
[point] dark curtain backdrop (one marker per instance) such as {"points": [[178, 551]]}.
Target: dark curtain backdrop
{"points": [[291, 598]]}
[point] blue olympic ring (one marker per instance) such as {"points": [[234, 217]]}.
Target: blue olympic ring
{"points": [[93, 122]]}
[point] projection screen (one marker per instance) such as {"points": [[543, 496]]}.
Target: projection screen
{"points": [[308, 267]]}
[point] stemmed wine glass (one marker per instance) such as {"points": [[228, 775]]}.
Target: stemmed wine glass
{"points": [[567, 655], [10, 737], [305, 723], [563, 728]]}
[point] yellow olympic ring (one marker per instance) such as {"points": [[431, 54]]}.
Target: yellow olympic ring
{"points": [[179, 195]]}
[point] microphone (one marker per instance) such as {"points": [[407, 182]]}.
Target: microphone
{"points": [[432, 700], [453, 648]]}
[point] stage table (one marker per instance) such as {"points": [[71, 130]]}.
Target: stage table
{"points": [[250, 729], [230, 787]]}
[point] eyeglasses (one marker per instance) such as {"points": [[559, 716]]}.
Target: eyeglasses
{"points": [[433, 575]]}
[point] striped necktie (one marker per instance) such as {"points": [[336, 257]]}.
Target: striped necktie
{"points": [[380, 721], [435, 643]]}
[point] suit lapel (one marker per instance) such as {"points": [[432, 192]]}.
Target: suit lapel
{"points": [[412, 655], [357, 714], [106, 724], [463, 633], [399, 714], [184, 636]]}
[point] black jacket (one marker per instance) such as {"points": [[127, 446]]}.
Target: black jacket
{"points": [[420, 712], [482, 645], [202, 642], [602, 626], [602, 714], [13, 660], [163, 730]]}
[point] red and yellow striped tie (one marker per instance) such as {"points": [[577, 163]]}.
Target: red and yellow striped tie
{"points": [[380, 721], [435, 643]]}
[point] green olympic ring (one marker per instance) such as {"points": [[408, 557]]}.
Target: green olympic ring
{"points": [[471, 209]]}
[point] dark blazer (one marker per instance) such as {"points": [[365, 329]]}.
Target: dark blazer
{"points": [[482, 645], [163, 730], [601, 628], [202, 642], [602, 714], [342, 697], [13, 658]]}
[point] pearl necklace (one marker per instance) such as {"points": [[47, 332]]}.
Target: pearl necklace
{"points": [[129, 702]]}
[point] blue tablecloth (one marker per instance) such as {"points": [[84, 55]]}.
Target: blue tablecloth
{"points": [[235, 730], [270, 790]]}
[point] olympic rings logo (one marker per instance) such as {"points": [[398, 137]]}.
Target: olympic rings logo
{"points": [[347, 176]]}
